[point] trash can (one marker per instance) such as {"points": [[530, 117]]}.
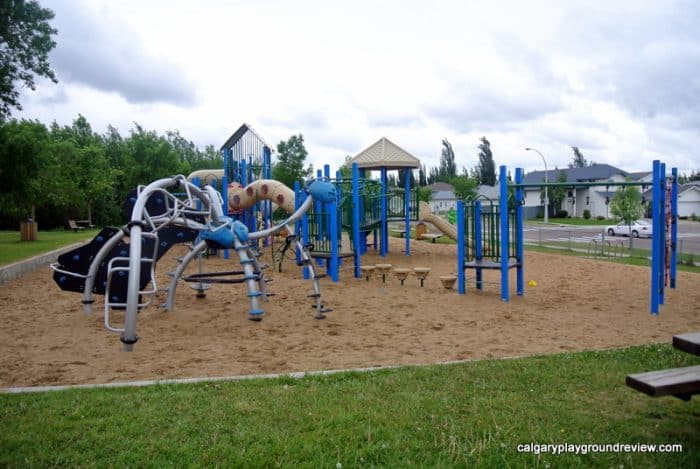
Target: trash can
{"points": [[28, 230]]}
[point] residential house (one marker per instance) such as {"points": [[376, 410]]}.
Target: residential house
{"points": [[689, 199], [442, 197], [577, 199]]}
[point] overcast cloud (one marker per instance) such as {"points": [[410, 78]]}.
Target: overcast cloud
{"points": [[617, 79]]}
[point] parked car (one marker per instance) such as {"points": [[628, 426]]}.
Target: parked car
{"points": [[637, 228]]}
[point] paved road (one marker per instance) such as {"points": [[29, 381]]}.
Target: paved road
{"points": [[688, 235]]}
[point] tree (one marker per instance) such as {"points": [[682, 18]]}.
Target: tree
{"points": [[290, 161], [402, 179], [487, 166], [626, 205], [25, 38], [556, 194], [579, 161], [448, 167], [465, 187], [422, 176]]}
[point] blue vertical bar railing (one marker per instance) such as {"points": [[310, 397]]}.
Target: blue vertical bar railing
{"points": [[478, 241]]}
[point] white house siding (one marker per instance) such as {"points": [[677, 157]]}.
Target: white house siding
{"points": [[689, 202], [441, 201]]}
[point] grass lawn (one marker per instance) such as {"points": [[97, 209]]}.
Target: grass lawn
{"points": [[12, 249], [470, 414]]}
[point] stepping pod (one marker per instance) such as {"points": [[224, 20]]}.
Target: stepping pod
{"points": [[421, 273], [401, 274], [383, 270], [367, 271], [448, 281]]}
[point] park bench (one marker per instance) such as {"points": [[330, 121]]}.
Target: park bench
{"points": [[431, 236], [74, 226], [679, 382]]}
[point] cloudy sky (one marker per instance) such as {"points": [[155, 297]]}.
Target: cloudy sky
{"points": [[619, 79]]}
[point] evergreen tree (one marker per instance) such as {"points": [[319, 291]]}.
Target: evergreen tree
{"points": [[579, 161], [448, 167], [487, 166]]}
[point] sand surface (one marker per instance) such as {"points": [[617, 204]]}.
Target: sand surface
{"points": [[578, 304]]}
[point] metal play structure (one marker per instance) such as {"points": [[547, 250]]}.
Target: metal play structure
{"points": [[121, 263], [490, 236]]}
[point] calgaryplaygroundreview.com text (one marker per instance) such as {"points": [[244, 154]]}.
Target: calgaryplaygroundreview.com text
{"points": [[585, 448]]}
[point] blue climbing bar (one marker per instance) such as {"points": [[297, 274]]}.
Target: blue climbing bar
{"points": [[384, 229], [478, 244], [407, 208]]}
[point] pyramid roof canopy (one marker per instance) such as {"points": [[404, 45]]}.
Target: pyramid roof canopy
{"points": [[385, 154], [238, 135]]}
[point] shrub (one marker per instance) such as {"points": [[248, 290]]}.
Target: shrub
{"points": [[600, 217], [562, 214], [587, 214]]}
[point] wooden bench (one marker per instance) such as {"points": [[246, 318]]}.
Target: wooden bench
{"points": [[431, 236], [679, 382], [74, 226], [399, 232]]}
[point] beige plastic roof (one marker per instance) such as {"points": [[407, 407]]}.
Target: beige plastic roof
{"points": [[385, 154]]}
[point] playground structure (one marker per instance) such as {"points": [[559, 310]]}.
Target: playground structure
{"points": [[491, 236], [121, 263]]}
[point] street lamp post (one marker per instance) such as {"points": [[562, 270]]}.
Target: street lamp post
{"points": [[546, 181]]}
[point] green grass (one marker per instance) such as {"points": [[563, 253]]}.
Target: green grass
{"points": [[12, 249], [471, 414]]}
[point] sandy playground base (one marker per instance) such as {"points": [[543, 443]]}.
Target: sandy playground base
{"points": [[577, 304]]}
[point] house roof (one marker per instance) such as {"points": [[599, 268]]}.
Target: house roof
{"points": [[596, 172], [639, 175], [692, 185], [490, 192], [385, 154], [238, 135], [440, 186]]}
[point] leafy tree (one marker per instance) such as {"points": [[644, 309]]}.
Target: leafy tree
{"points": [[556, 194], [626, 205], [487, 166], [465, 187], [25, 168], [291, 156], [424, 194], [25, 43], [448, 167]]}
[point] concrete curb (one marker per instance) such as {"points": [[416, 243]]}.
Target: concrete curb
{"points": [[17, 269]]}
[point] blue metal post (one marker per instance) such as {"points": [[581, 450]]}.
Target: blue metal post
{"points": [[339, 222], [267, 205], [297, 225], [305, 233], [662, 262], [333, 267], [656, 237], [503, 207], [674, 226], [363, 214], [478, 242], [384, 242], [356, 217], [224, 188], [407, 207], [461, 280], [519, 254]]}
